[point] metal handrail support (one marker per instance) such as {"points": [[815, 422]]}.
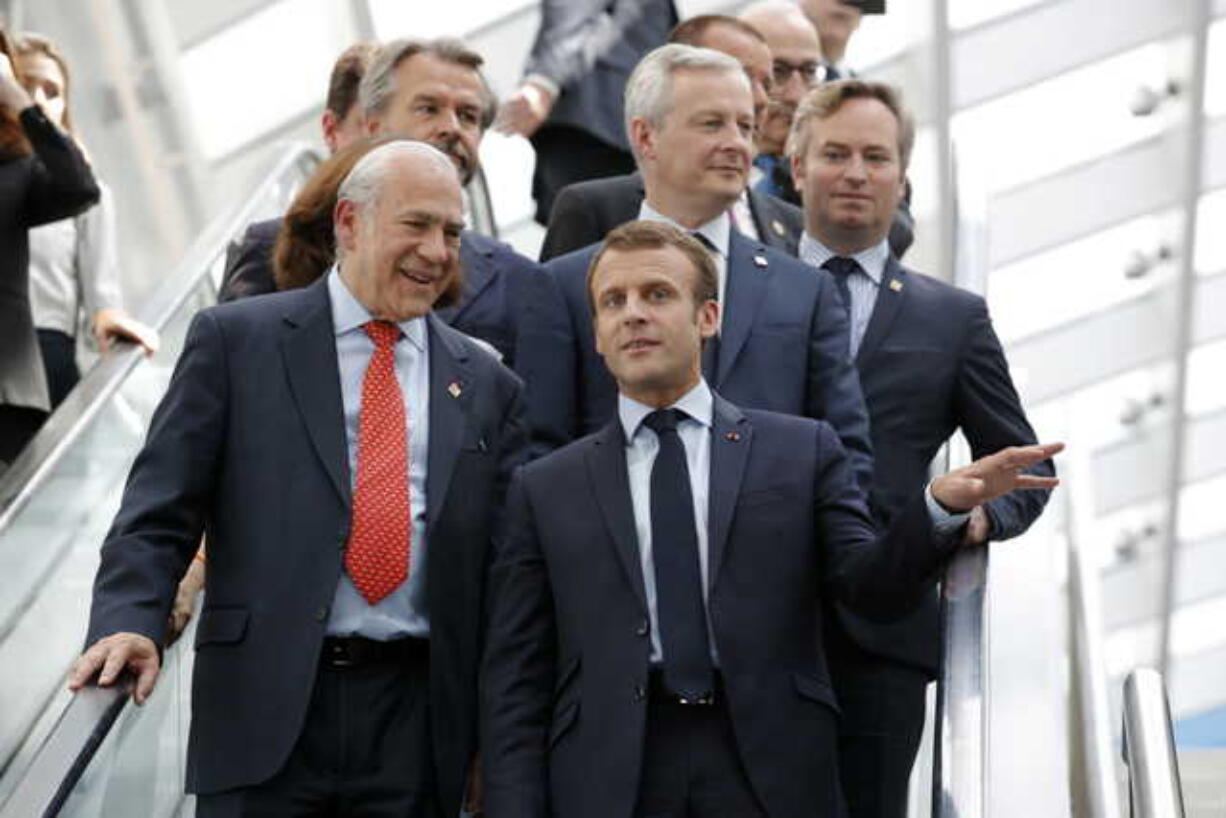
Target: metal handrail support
{"points": [[1093, 782], [1149, 748], [960, 753]]}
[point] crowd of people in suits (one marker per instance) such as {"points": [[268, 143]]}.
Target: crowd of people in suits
{"points": [[645, 528]]}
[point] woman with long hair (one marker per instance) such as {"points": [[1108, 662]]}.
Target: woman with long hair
{"points": [[43, 178], [73, 267]]}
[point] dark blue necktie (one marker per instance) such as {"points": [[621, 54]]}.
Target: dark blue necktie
{"points": [[674, 551], [842, 268]]}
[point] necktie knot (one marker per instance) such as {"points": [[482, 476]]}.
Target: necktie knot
{"points": [[384, 334], [841, 266], [662, 421]]}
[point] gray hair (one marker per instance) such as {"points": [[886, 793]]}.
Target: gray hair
{"points": [[649, 91], [379, 83], [364, 182]]}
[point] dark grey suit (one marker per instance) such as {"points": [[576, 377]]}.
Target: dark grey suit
{"points": [[588, 49], [249, 446], [585, 212]]}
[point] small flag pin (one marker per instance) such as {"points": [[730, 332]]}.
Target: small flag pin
{"points": [[759, 260], [895, 285], [453, 389], [732, 437], [777, 226]]}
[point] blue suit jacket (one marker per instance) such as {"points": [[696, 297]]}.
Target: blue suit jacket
{"points": [[248, 446], [564, 705], [930, 364], [783, 347], [495, 279]]}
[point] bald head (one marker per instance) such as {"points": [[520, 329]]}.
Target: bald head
{"points": [[796, 65]]}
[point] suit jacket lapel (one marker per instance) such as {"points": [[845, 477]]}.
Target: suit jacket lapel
{"points": [[308, 347], [749, 275], [606, 462], [478, 275], [890, 297], [772, 230], [731, 436], [451, 388]]}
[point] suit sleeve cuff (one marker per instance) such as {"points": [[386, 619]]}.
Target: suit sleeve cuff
{"points": [[542, 81], [943, 522]]}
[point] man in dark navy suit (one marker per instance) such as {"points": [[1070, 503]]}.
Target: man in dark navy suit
{"points": [[347, 453], [782, 344], [655, 647], [930, 364], [432, 91]]}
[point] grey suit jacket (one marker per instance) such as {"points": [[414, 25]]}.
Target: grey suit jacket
{"points": [[588, 49]]}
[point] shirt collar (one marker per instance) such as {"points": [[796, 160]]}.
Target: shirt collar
{"points": [[348, 314], [871, 259], [697, 403], [717, 231]]}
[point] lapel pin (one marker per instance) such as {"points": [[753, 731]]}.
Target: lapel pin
{"points": [[777, 226], [454, 389], [895, 285], [759, 260], [732, 437]]}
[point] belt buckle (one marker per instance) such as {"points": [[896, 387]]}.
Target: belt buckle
{"points": [[338, 655]]}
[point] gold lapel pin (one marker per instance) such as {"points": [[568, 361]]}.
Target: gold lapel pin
{"points": [[759, 260], [732, 437], [895, 285], [454, 389], [777, 226]]}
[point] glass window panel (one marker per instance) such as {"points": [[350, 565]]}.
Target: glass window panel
{"points": [[1215, 74], [1194, 629], [508, 162], [1206, 386], [881, 37], [250, 78], [1201, 514], [1086, 276], [968, 13], [1210, 238], [396, 18], [1098, 415], [1062, 122]]}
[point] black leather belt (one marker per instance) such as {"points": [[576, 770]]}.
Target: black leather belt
{"points": [[357, 651], [658, 692]]}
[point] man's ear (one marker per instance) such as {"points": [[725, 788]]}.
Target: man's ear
{"points": [[708, 318], [642, 138], [328, 123], [345, 223]]}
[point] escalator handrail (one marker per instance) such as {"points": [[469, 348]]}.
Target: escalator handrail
{"points": [[30, 470], [1149, 747]]}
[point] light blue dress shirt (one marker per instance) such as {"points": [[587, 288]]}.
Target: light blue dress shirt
{"points": [[402, 612], [642, 446], [863, 286]]}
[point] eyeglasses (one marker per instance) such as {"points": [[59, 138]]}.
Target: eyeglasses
{"points": [[810, 71]]}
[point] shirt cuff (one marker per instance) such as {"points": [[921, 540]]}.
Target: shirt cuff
{"points": [[943, 522], [544, 82]]}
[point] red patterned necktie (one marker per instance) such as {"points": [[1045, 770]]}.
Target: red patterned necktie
{"points": [[377, 558]]}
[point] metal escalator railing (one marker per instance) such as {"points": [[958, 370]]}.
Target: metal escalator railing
{"points": [[1149, 748], [57, 499]]}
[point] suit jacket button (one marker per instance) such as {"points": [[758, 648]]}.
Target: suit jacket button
{"points": [[643, 629], [639, 693]]}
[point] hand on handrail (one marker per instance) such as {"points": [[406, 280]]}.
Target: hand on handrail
{"points": [[110, 656]]}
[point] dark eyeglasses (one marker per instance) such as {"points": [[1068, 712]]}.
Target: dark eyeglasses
{"points": [[810, 71]]}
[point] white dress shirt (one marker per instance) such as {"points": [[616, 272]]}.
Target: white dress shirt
{"points": [[402, 612], [642, 445]]}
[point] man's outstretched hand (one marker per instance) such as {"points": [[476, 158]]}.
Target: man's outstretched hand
{"points": [[969, 487], [112, 655]]}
